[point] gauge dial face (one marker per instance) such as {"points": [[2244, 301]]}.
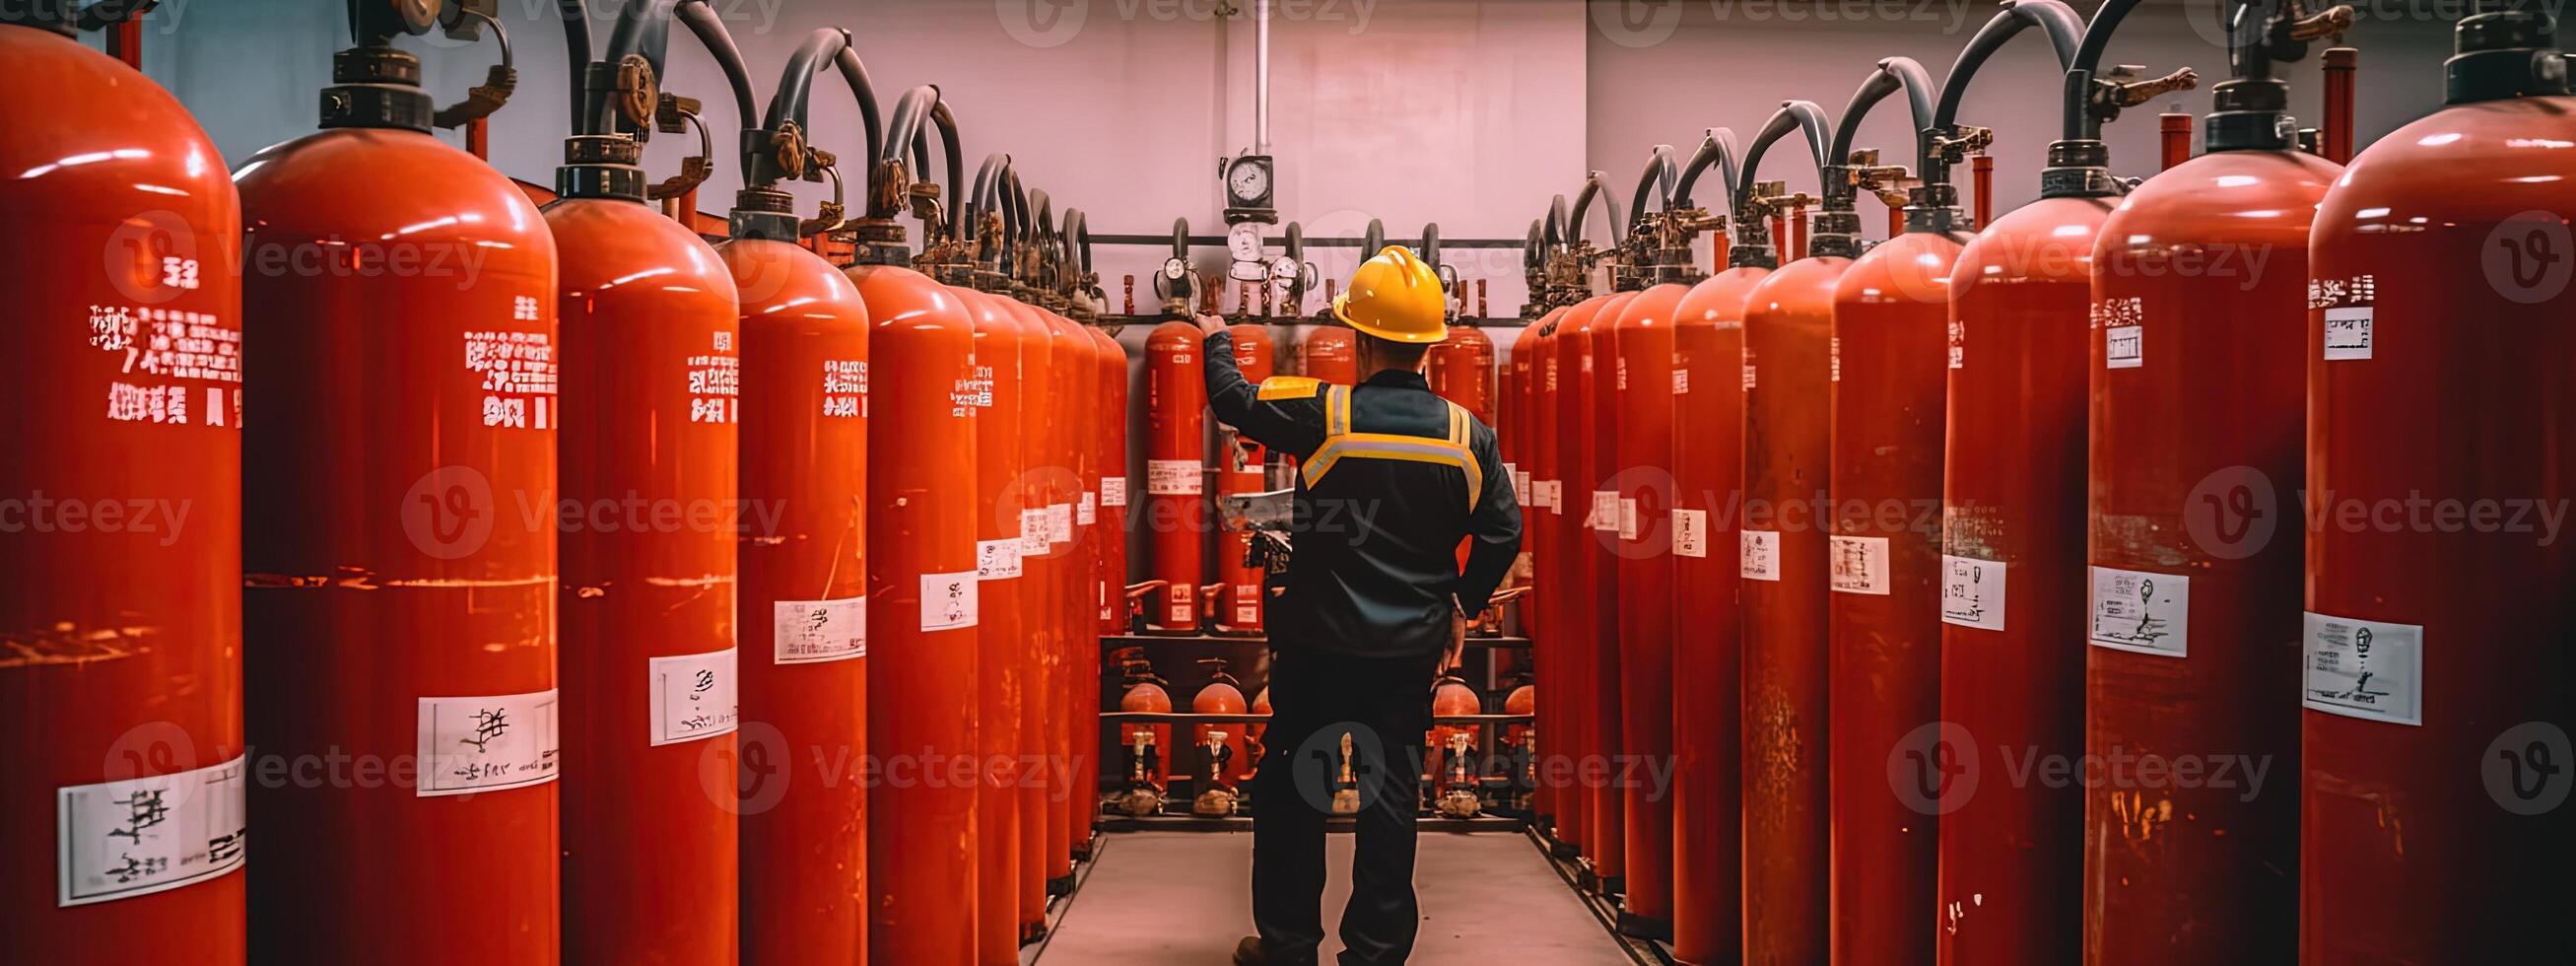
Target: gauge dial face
{"points": [[1283, 269], [1174, 268], [1248, 180], [1244, 240]]}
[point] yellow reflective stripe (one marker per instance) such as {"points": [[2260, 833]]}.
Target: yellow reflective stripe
{"points": [[1337, 411], [1417, 449], [1288, 387], [1457, 424]]}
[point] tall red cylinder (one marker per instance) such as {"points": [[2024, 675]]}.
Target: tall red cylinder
{"points": [[1594, 552], [2012, 585], [1074, 383], [1641, 367], [1008, 660], [400, 600], [123, 666], [1538, 445], [1571, 603], [2437, 356], [1043, 705], [1239, 469], [1176, 503], [923, 607], [1889, 392], [1788, 371], [652, 386], [1708, 666], [1111, 423], [803, 552]]}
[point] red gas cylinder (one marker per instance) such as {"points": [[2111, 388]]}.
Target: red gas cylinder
{"points": [[1511, 436], [1006, 391], [1217, 748], [1592, 551], [1452, 698], [1533, 445], [1041, 727], [1708, 480], [804, 457], [2434, 651], [1176, 505], [1890, 380], [1461, 370], [1788, 371], [1240, 465], [1052, 476], [1111, 422], [1331, 353], [1144, 749], [1522, 701], [2012, 586], [2190, 626], [1074, 384], [400, 602], [1641, 365], [1554, 443], [1253, 732], [652, 386], [121, 672], [922, 615], [1451, 757]]}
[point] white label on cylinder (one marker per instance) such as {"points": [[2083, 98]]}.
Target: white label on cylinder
{"points": [[1172, 477], [1627, 519], [1972, 592], [1520, 487], [1958, 344], [1543, 494], [1860, 564], [1605, 511], [1087, 513], [948, 601], [1681, 381], [1690, 533], [2124, 347], [2134, 610], [121, 839], [487, 744], [1113, 491], [1834, 350], [997, 559], [815, 631], [1059, 523], [1033, 535], [1760, 557], [695, 696], [2347, 333], [2364, 669], [1246, 615]]}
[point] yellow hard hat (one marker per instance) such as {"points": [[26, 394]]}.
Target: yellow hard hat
{"points": [[1395, 297]]}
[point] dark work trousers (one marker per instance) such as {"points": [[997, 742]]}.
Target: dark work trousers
{"points": [[1385, 705]]}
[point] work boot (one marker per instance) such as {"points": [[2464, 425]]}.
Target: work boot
{"points": [[1250, 952]]}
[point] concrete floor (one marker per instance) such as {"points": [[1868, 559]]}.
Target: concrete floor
{"points": [[1185, 898]]}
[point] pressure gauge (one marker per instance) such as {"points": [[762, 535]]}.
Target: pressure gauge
{"points": [[1283, 269], [1174, 269], [1244, 240], [1247, 181]]}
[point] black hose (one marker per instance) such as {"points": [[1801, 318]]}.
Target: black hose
{"points": [[1534, 251], [1431, 245], [2081, 124], [1661, 172], [1555, 224], [1792, 115], [2065, 33], [710, 30], [1595, 187], [1892, 73], [1372, 240], [946, 121], [1716, 148], [575, 15]]}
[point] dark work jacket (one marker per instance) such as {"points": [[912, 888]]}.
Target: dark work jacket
{"points": [[1390, 479]]}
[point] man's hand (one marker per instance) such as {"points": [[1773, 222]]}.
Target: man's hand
{"points": [[1211, 324], [1455, 654]]}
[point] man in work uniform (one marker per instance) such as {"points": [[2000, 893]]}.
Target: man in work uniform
{"points": [[1391, 479]]}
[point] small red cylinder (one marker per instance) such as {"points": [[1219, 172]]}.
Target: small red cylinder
{"points": [[923, 712], [120, 638], [1708, 689], [1889, 390], [1788, 372], [652, 384], [1641, 363], [1331, 353], [1176, 503], [2012, 589], [804, 460], [1461, 370], [2340, 66], [400, 601], [2173, 133], [1240, 469]]}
